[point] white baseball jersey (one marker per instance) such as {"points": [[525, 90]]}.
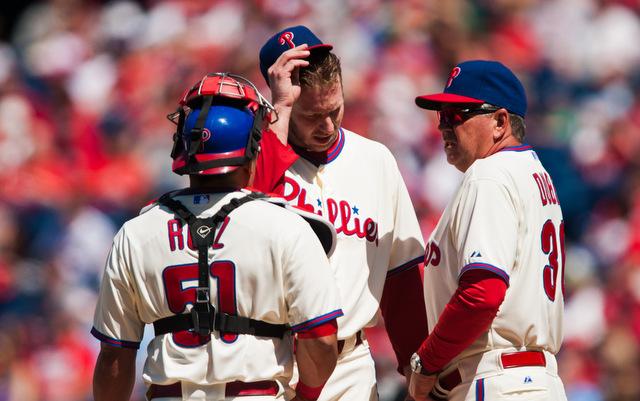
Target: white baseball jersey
{"points": [[266, 264], [504, 217], [360, 190]]}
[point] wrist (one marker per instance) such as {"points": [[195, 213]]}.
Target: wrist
{"points": [[308, 393], [416, 366]]}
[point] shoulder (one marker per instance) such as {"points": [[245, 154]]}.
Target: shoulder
{"points": [[360, 140], [269, 208], [507, 171], [505, 164], [366, 148]]}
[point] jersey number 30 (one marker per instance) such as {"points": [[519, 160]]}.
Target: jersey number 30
{"points": [[552, 247]]}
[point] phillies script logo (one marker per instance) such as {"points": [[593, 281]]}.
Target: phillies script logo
{"points": [[432, 254], [344, 217]]}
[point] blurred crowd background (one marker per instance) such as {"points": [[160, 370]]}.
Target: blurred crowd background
{"points": [[84, 144]]}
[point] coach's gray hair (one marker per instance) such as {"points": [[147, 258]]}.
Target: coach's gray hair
{"points": [[518, 127]]}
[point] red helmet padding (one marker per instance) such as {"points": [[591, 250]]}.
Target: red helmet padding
{"points": [[221, 119]]}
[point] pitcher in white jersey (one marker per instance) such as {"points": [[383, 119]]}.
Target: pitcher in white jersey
{"points": [[226, 275], [318, 165], [494, 264]]}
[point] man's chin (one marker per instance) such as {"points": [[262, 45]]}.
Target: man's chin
{"points": [[324, 143], [320, 146]]}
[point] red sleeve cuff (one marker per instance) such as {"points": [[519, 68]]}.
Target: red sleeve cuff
{"points": [[322, 330]]}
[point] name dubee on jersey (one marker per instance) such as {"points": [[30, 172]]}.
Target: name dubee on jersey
{"points": [[548, 194], [345, 217]]}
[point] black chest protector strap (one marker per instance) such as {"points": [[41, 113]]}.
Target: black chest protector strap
{"points": [[203, 317]]}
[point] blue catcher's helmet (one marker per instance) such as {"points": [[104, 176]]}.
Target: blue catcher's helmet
{"points": [[220, 123]]}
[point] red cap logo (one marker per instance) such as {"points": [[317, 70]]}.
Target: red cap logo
{"points": [[454, 73], [287, 37]]}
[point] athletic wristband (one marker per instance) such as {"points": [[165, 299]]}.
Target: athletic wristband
{"points": [[308, 393]]}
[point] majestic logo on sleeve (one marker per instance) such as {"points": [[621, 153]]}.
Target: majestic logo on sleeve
{"points": [[344, 216]]}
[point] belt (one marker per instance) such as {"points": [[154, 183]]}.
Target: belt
{"points": [[509, 360], [358, 342], [232, 389]]}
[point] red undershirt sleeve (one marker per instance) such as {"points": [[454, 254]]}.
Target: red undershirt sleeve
{"points": [[321, 330], [273, 161], [470, 311], [405, 317]]}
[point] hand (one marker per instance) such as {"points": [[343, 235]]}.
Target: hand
{"points": [[285, 87], [284, 75], [406, 370], [420, 386]]}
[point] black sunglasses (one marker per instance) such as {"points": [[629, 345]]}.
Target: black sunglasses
{"points": [[457, 115]]}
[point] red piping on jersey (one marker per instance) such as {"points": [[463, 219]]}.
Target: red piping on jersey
{"points": [[520, 148], [322, 330], [113, 341], [314, 322], [405, 267], [318, 158], [485, 266]]}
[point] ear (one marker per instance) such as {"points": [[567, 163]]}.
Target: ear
{"points": [[502, 125]]}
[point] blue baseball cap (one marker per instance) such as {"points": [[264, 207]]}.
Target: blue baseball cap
{"points": [[477, 82], [284, 40]]}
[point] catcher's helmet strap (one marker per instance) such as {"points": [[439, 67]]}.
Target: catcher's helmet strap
{"points": [[253, 144], [178, 145], [203, 317], [198, 128]]}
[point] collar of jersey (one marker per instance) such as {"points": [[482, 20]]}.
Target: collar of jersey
{"points": [[519, 148], [326, 157], [203, 190]]}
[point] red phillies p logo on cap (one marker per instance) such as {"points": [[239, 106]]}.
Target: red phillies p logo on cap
{"points": [[287, 37], [454, 73], [483, 81], [283, 41]]}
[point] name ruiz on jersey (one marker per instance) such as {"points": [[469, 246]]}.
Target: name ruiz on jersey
{"points": [[178, 232]]}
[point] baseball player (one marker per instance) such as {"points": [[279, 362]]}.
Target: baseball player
{"points": [[354, 182], [494, 264], [224, 274]]}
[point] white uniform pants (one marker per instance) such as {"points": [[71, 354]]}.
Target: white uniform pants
{"points": [[194, 392], [354, 378], [484, 378]]}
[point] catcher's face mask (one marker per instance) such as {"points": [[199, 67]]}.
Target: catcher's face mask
{"points": [[220, 122]]}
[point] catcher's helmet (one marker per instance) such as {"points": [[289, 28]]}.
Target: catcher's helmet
{"points": [[220, 122]]}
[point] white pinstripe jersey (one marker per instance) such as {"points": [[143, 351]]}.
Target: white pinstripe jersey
{"points": [[360, 190], [504, 217], [266, 264]]}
